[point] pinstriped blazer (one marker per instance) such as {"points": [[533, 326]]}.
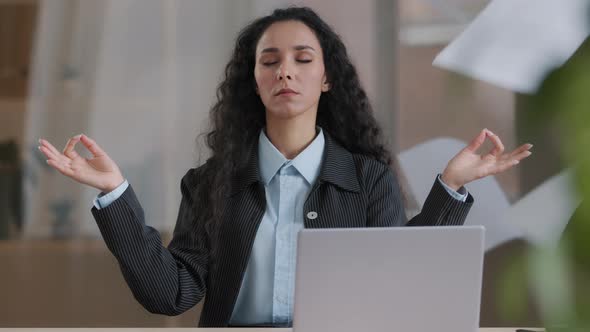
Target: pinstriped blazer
{"points": [[351, 191]]}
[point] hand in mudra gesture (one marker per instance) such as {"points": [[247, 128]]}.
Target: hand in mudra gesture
{"points": [[99, 171], [468, 165]]}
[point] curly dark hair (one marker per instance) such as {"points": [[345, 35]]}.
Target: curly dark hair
{"points": [[238, 116]]}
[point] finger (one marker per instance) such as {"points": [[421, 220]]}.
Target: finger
{"points": [[48, 153], [498, 146], [50, 147], [521, 155], [63, 168], [69, 149], [91, 145], [502, 166], [520, 149], [477, 142]]}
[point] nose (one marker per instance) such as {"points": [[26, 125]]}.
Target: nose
{"points": [[283, 73]]}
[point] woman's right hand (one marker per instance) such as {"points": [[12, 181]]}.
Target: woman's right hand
{"points": [[99, 172]]}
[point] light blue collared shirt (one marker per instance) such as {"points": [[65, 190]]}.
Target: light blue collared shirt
{"points": [[266, 295]]}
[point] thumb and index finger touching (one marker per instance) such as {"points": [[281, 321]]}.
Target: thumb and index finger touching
{"points": [[69, 149], [88, 143], [498, 148], [478, 141], [92, 146]]}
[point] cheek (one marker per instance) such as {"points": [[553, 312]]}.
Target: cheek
{"points": [[263, 81], [315, 80], [316, 73]]}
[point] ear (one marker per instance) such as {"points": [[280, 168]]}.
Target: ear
{"points": [[326, 86]]}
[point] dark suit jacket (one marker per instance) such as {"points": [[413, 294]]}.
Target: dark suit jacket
{"points": [[351, 191]]}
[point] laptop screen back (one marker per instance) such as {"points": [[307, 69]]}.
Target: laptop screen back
{"points": [[411, 279]]}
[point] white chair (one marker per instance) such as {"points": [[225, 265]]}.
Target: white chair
{"points": [[420, 165]]}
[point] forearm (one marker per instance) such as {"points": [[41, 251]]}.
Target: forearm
{"points": [[442, 209], [159, 279]]}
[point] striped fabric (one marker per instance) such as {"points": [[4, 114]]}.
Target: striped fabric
{"points": [[351, 191]]}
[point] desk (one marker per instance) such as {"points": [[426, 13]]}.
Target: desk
{"points": [[504, 329]]}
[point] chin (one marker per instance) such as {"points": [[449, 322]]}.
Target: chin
{"points": [[286, 112]]}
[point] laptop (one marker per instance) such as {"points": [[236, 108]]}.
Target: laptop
{"points": [[410, 279]]}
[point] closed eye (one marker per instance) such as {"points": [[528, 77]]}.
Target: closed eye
{"points": [[275, 62]]}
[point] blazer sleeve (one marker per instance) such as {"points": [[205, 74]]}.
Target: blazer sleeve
{"points": [[440, 208], [165, 281]]}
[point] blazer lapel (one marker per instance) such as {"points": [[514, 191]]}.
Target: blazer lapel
{"points": [[338, 167], [244, 209]]}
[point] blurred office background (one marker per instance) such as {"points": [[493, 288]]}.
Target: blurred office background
{"points": [[139, 77]]}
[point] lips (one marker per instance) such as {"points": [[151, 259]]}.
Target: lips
{"points": [[285, 91]]}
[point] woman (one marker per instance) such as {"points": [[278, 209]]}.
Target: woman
{"points": [[294, 144]]}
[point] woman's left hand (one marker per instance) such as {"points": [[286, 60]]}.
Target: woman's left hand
{"points": [[468, 166]]}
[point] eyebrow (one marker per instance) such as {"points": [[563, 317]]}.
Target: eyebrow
{"points": [[297, 48]]}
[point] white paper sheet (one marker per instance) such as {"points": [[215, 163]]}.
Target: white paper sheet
{"points": [[514, 43]]}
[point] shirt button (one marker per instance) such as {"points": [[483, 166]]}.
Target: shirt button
{"points": [[312, 215]]}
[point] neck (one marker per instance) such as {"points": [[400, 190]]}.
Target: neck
{"points": [[290, 136]]}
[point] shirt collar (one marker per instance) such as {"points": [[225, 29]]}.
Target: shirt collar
{"points": [[338, 167], [307, 162]]}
